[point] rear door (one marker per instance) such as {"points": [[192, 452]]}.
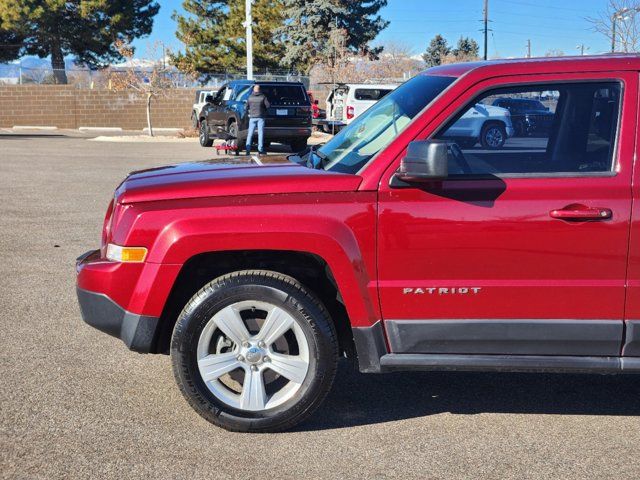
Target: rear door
{"points": [[217, 115], [521, 250]]}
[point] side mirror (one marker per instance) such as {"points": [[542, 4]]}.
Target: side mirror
{"points": [[208, 99], [425, 160]]}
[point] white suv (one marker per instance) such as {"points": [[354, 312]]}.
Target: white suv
{"points": [[349, 100], [487, 124], [201, 96]]}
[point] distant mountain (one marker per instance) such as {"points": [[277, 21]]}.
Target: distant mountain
{"points": [[12, 69]]}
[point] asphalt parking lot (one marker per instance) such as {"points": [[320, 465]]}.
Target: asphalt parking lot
{"points": [[75, 403]]}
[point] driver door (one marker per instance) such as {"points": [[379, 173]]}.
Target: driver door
{"points": [[501, 257]]}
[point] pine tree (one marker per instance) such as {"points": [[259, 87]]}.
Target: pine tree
{"points": [[437, 50], [466, 49], [214, 35], [87, 29], [312, 25], [201, 30], [10, 44], [268, 48]]}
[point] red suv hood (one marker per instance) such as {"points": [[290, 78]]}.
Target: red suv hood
{"points": [[214, 179]]}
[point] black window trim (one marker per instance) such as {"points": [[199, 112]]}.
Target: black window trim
{"points": [[606, 174]]}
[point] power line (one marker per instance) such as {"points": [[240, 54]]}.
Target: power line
{"points": [[550, 7]]}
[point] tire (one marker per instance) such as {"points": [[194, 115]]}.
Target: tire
{"points": [[493, 136], [212, 338], [233, 131], [194, 119], [298, 144], [205, 140]]}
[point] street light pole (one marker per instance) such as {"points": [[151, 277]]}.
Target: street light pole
{"points": [[249, 33], [614, 18], [618, 15]]}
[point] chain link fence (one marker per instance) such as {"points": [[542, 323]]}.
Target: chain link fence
{"points": [[18, 74]]}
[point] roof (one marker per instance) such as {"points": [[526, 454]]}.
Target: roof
{"points": [[262, 82], [586, 63]]}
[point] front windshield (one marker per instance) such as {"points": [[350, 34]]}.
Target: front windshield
{"points": [[355, 145]]}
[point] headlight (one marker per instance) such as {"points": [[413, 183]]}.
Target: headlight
{"points": [[116, 253]]}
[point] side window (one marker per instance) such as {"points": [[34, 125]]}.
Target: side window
{"points": [[243, 93], [370, 94], [227, 94], [217, 100], [548, 129]]}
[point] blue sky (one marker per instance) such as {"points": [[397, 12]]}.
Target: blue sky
{"points": [[550, 24]]}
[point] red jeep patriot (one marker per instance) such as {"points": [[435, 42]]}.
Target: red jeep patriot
{"points": [[398, 243]]}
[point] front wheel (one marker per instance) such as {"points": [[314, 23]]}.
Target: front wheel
{"points": [[234, 138], [493, 136], [254, 351], [205, 140]]}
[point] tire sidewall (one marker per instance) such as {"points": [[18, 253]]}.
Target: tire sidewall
{"points": [[233, 130], [184, 346], [485, 131], [203, 136]]}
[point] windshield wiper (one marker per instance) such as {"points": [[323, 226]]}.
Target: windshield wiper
{"points": [[310, 163]]}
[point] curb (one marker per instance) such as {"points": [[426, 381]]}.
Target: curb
{"points": [[100, 129], [164, 130], [33, 127]]}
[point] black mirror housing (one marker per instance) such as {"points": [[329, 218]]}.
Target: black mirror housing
{"points": [[425, 160]]}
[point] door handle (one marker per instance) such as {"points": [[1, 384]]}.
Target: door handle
{"points": [[581, 212]]}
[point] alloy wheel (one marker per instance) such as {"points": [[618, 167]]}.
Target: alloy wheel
{"points": [[253, 355]]}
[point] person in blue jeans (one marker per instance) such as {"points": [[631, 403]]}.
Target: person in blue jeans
{"points": [[257, 105]]}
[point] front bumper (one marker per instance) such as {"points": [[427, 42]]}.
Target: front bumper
{"points": [[107, 292], [283, 133], [138, 332]]}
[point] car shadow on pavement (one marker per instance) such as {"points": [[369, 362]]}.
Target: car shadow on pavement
{"points": [[365, 399]]}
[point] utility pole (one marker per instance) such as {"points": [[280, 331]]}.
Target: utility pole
{"points": [[486, 25], [248, 25], [528, 48], [582, 48]]}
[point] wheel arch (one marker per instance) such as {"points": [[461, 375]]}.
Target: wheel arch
{"points": [[493, 121], [311, 270]]}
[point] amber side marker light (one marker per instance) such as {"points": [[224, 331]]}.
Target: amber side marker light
{"points": [[116, 253]]}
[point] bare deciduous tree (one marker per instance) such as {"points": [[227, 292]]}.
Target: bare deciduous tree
{"points": [[395, 64], [620, 24], [149, 80], [554, 52]]}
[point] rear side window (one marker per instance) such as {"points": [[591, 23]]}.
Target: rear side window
{"points": [[557, 129], [370, 94], [285, 94]]}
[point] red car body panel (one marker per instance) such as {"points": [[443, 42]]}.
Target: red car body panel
{"points": [[528, 264], [341, 234], [378, 241], [632, 307], [204, 179]]}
